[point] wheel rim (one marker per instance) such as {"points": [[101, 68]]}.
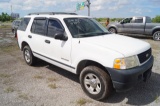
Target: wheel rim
{"points": [[27, 56], [112, 30], [92, 83], [157, 36]]}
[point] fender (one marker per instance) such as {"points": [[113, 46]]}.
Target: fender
{"points": [[157, 28], [113, 26]]}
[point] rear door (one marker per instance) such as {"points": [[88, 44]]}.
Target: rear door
{"points": [[138, 25], [37, 35]]}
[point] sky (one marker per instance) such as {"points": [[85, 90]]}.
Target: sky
{"points": [[99, 8]]}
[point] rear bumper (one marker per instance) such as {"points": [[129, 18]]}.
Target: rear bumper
{"points": [[124, 80]]}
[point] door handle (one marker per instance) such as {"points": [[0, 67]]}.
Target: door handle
{"points": [[47, 41], [29, 36]]}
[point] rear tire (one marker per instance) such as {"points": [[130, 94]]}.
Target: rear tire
{"points": [[96, 83], [156, 36], [28, 56]]}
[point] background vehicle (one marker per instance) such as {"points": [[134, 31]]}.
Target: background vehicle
{"points": [[83, 46], [15, 25], [137, 25]]}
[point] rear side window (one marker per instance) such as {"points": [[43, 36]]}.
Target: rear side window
{"points": [[139, 20], [53, 26], [39, 26], [148, 20], [24, 23]]}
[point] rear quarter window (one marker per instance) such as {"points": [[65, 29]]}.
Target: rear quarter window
{"points": [[24, 23]]}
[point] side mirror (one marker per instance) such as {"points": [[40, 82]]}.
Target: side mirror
{"points": [[122, 22], [60, 35]]}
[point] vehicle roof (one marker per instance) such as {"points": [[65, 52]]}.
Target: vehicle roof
{"points": [[57, 16], [141, 16]]}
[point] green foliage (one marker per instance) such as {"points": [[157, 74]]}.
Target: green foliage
{"points": [[5, 17], [101, 19], [111, 19], [156, 19]]}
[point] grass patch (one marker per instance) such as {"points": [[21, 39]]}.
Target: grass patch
{"points": [[5, 75], [5, 26], [10, 48], [51, 79], [9, 90], [52, 86], [38, 77], [24, 96], [82, 101]]}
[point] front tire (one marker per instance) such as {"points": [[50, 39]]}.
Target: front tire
{"points": [[112, 30], [156, 36], [95, 82], [28, 56]]}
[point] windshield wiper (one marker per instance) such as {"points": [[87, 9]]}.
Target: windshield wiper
{"points": [[103, 33], [92, 34]]}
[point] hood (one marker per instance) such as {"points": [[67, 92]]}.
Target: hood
{"points": [[127, 46]]}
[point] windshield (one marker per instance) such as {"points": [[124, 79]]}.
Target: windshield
{"points": [[85, 27]]}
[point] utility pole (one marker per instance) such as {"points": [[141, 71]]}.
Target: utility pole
{"points": [[11, 8], [88, 5]]}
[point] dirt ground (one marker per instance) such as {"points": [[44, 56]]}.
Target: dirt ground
{"points": [[47, 85]]}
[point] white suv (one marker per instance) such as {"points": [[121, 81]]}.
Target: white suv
{"points": [[79, 44]]}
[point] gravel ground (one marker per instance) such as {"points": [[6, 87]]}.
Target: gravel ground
{"points": [[48, 85]]}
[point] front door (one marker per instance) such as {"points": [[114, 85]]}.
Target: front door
{"points": [[125, 26], [58, 51]]}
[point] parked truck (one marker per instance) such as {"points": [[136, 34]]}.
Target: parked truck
{"points": [[136, 26]]}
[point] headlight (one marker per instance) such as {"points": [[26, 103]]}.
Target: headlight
{"points": [[126, 63]]}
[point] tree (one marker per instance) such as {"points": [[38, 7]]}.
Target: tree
{"points": [[5, 17], [156, 19]]}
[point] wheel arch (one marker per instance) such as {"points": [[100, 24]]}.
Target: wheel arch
{"points": [[155, 30], [23, 45], [84, 63], [114, 28]]}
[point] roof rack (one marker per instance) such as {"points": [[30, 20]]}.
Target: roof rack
{"points": [[51, 13]]}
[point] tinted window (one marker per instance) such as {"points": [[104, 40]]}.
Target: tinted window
{"points": [[33, 26], [148, 20], [127, 20], [53, 26], [24, 23], [140, 20], [38, 26]]}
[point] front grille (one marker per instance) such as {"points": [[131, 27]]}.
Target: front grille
{"points": [[145, 56]]}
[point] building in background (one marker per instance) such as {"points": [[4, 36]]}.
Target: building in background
{"points": [[15, 15]]}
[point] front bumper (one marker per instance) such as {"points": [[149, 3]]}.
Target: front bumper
{"points": [[124, 80]]}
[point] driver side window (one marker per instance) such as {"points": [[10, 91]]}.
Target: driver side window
{"points": [[127, 20], [53, 26]]}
